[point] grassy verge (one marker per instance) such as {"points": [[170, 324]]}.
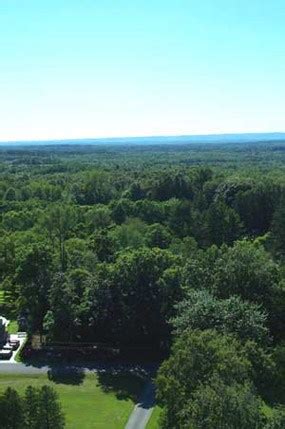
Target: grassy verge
{"points": [[18, 356], [102, 401], [13, 327], [154, 419]]}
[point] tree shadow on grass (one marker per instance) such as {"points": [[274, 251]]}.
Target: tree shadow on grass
{"points": [[73, 376], [124, 384]]}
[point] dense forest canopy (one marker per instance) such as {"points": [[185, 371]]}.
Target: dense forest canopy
{"points": [[174, 248]]}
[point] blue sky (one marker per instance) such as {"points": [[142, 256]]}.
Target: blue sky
{"points": [[88, 68]]}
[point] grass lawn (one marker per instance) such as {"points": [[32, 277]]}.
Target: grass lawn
{"points": [[102, 401], [154, 419], [13, 327]]}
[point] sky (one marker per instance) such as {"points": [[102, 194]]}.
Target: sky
{"points": [[90, 68]]}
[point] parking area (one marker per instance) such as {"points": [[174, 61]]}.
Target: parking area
{"points": [[10, 344], [19, 338]]}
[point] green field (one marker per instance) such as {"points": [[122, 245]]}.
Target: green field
{"points": [[154, 420], [102, 401]]}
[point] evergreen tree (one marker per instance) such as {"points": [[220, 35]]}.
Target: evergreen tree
{"points": [[11, 410], [50, 415], [31, 406]]}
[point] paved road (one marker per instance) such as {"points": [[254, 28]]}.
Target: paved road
{"points": [[142, 411], [21, 368]]}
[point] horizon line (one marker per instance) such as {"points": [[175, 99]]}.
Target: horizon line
{"points": [[214, 134]]}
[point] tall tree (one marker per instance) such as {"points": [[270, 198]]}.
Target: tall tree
{"points": [[201, 310], [34, 277], [12, 410], [59, 221], [220, 405], [50, 415], [196, 357], [31, 407], [278, 229]]}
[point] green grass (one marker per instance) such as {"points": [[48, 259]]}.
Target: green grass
{"points": [[100, 401], [13, 327], [1, 297], [154, 419], [18, 356]]}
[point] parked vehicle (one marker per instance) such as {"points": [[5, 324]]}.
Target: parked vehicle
{"points": [[5, 354], [14, 344], [7, 346]]}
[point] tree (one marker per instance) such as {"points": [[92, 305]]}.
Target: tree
{"points": [[244, 269], [149, 211], [179, 217], [278, 229], [186, 248], [104, 245], [223, 224], [277, 418], [121, 210], [129, 234], [256, 205], [18, 220], [98, 217], [158, 235], [169, 186], [247, 270], [59, 221], [137, 286], [79, 254], [59, 321], [31, 407], [135, 192], [97, 187], [12, 411], [10, 194], [34, 277], [196, 357], [50, 415], [219, 405], [199, 269], [201, 310]]}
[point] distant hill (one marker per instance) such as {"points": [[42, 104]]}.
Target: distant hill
{"points": [[193, 139]]}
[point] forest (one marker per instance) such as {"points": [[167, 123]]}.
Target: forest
{"points": [[175, 251]]}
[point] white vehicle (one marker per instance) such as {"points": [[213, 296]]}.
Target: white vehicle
{"points": [[7, 347]]}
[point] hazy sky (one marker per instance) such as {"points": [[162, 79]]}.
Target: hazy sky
{"points": [[88, 68]]}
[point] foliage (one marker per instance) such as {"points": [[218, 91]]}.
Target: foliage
{"points": [[196, 357], [220, 405], [140, 247], [38, 409], [201, 310]]}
